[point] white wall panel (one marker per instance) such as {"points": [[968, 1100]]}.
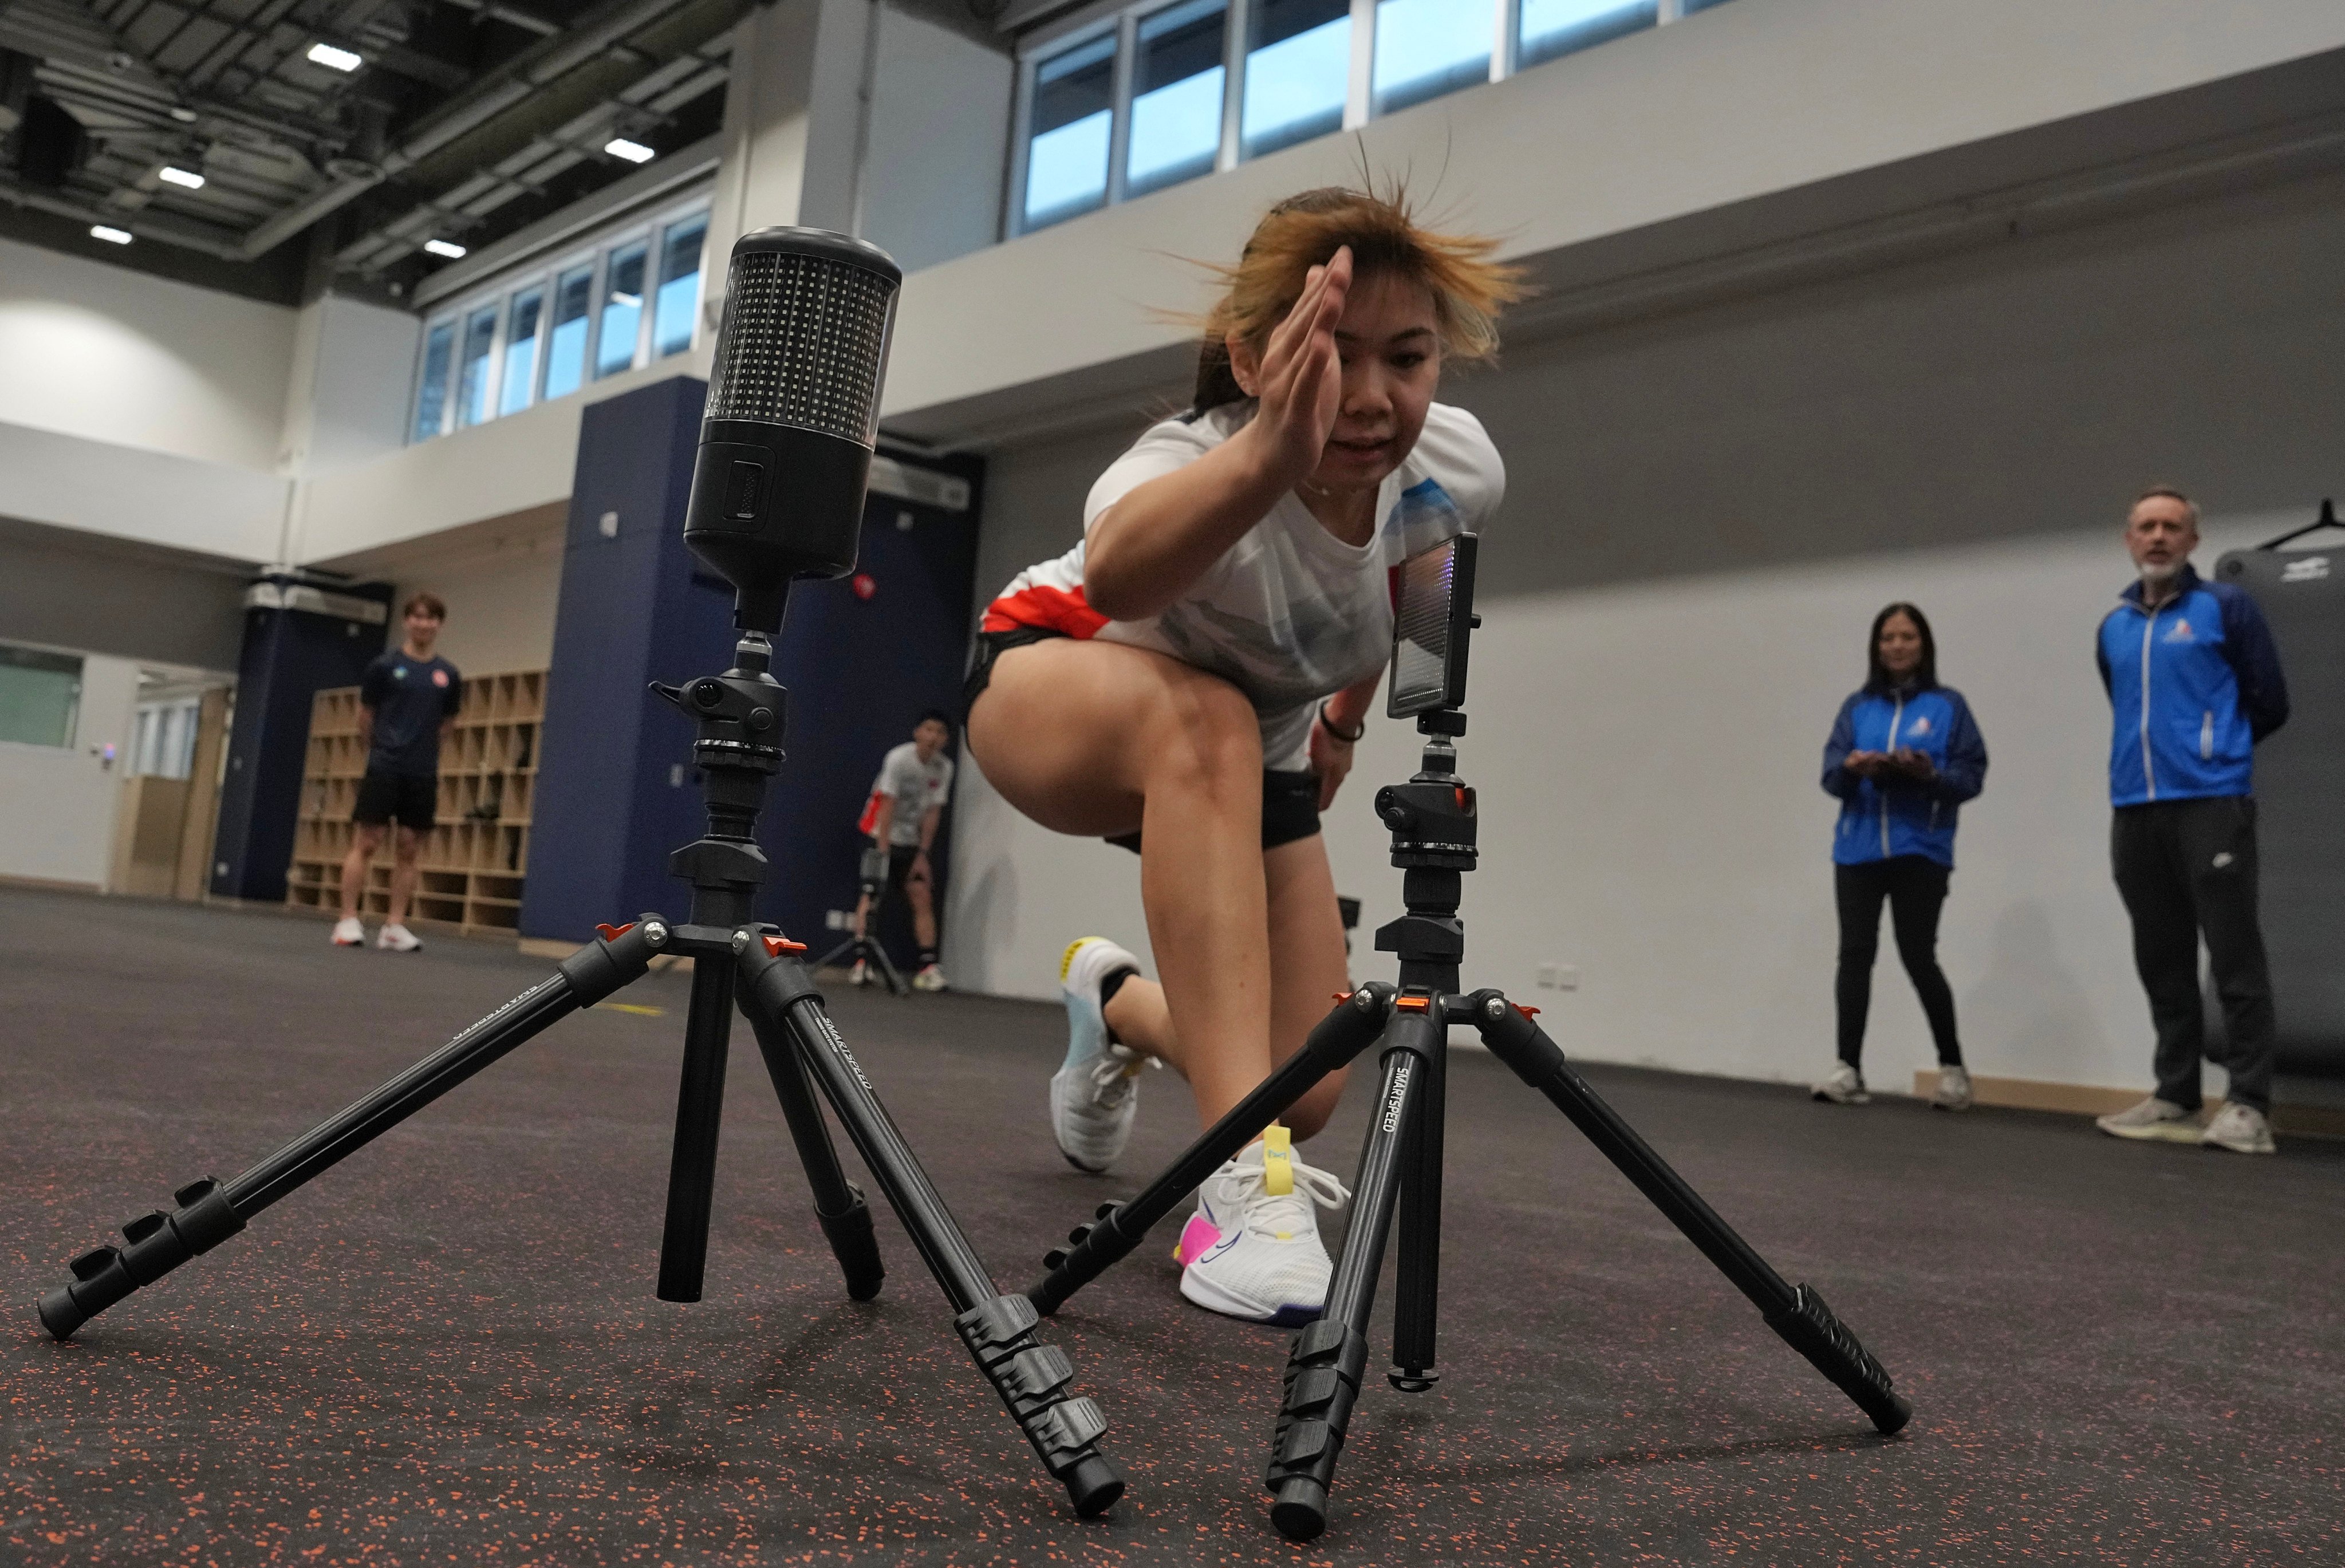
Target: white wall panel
{"points": [[932, 173], [116, 356], [60, 800]]}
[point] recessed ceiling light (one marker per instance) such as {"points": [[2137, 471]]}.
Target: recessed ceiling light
{"points": [[111, 235], [632, 151], [180, 176], [442, 248], [336, 60]]}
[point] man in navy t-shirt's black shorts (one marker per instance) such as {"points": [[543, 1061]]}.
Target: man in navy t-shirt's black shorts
{"points": [[407, 703]]}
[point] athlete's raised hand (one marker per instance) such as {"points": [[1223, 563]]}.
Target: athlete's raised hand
{"points": [[1300, 378]]}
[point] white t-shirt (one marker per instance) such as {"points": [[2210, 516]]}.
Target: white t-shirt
{"points": [[1289, 613], [914, 786]]}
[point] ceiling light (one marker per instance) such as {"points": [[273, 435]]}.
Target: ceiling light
{"points": [[442, 248], [180, 176], [184, 114], [632, 151], [337, 59], [111, 235]]}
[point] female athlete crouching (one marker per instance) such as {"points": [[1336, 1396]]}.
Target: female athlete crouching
{"points": [[1190, 678]]}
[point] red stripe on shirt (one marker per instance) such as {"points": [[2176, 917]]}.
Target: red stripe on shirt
{"points": [[1063, 610]]}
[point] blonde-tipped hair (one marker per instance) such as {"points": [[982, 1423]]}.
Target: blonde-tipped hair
{"points": [[1304, 231]]}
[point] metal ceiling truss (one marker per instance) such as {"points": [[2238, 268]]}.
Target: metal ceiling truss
{"points": [[224, 88]]}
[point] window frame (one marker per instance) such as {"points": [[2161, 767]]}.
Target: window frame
{"points": [[545, 271], [1122, 21]]}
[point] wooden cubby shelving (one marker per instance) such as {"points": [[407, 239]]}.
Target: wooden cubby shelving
{"points": [[474, 860]]}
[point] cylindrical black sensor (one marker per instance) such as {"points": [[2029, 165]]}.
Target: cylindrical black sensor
{"points": [[793, 411]]}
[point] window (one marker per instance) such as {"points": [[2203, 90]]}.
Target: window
{"points": [[677, 303], [472, 381], [1298, 72], [40, 695], [622, 311], [1152, 87], [1067, 144], [1427, 47], [519, 375], [163, 739], [431, 397], [565, 348], [1554, 27], [544, 330], [1177, 79]]}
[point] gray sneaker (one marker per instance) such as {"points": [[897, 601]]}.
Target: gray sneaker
{"points": [[2242, 1129], [1845, 1086], [2155, 1119], [1953, 1090]]}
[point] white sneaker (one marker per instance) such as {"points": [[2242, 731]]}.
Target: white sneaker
{"points": [[861, 974], [1093, 1095], [2153, 1118], [931, 978], [349, 931], [1253, 1250], [397, 938], [1953, 1090], [1844, 1087], [2242, 1129]]}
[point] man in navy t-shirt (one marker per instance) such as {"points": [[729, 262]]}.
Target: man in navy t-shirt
{"points": [[2194, 680], [406, 704]]}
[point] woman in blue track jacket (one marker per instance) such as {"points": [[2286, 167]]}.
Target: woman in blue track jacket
{"points": [[1905, 753]]}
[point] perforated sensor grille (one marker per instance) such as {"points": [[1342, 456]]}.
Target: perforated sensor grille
{"points": [[801, 345]]}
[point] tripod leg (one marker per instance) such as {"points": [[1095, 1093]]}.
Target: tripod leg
{"points": [[846, 1219], [1031, 1378], [888, 970], [1416, 1277], [699, 1113], [1344, 1034], [1325, 1366], [1799, 1316], [209, 1211]]}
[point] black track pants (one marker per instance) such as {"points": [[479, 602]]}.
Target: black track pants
{"points": [[1915, 887], [2187, 869]]}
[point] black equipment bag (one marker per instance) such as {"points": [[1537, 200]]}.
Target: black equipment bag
{"points": [[2299, 785]]}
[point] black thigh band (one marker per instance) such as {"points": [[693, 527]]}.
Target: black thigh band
{"points": [[1290, 801], [990, 645]]}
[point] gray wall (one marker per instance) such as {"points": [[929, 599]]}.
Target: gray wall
{"points": [[939, 133], [2028, 388], [77, 591]]}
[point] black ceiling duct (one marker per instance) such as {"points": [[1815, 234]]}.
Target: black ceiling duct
{"points": [[50, 144]]}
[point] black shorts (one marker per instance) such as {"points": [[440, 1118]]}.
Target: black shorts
{"points": [[394, 797], [1290, 801]]}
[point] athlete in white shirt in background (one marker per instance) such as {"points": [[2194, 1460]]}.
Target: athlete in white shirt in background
{"points": [[907, 803], [1195, 672]]}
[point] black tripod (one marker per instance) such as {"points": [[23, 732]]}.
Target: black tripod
{"points": [[864, 949], [735, 963], [1432, 817]]}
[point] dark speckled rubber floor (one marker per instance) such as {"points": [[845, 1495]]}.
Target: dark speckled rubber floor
{"points": [[447, 1350]]}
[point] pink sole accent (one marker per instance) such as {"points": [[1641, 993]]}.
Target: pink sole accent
{"points": [[1197, 1238]]}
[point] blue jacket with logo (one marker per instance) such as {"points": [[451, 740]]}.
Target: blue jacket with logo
{"points": [[2194, 683], [1882, 817]]}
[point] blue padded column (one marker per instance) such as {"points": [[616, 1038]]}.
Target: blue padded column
{"points": [[615, 790], [301, 637]]}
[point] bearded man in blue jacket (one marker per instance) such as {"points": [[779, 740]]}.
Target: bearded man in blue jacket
{"points": [[2194, 677]]}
